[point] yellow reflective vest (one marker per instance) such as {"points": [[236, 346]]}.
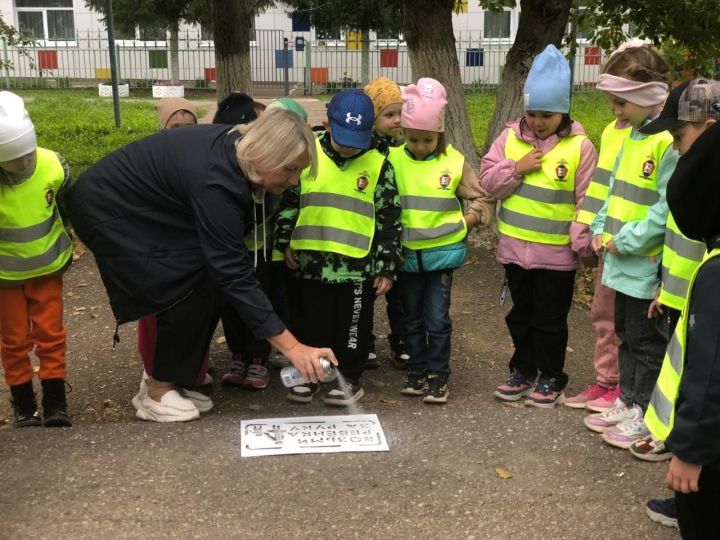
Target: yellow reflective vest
{"points": [[660, 414], [337, 207], [33, 239], [634, 188], [432, 215], [597, 192], [680, 258], [542, 208]]}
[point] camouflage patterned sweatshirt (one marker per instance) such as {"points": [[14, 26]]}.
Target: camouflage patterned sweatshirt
{"points": [[335, 268]]}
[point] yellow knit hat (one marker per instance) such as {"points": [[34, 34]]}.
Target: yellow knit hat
{"points": [[383, 92]]}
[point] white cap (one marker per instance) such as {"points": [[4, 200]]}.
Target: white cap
{"points": [[17, 133]]}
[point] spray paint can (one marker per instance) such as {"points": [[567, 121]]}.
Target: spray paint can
{"points": [[290, 376]]}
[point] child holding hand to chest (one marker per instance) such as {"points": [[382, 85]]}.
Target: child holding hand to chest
{"points": [[540, 167]]}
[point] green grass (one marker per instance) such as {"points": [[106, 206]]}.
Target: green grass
{"points": [[81, 126], [588, 108]]}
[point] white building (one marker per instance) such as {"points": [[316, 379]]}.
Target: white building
{"points": [[72, 49]]}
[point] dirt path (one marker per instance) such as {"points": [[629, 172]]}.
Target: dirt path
{"points": [[115, 476]]}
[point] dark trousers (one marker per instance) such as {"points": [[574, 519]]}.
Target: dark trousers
{"points": [[184, 332], [337, 315], [426, 315], [240, 339], [697, 512], [642, 347], [538, 321], [673, 316], [395, 316]]}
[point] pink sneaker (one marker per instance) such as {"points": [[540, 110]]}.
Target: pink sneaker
{"points": [[628, 431], [591, 393], [614, 415], [604, 402], [237, 373], [258, 375]]}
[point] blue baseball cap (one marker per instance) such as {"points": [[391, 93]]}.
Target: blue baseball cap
{"points": [[351, 116]]}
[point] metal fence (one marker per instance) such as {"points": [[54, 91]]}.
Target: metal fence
{"points": [[310, 65]]}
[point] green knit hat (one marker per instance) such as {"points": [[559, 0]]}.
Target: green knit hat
{"points": [[290, 105]]}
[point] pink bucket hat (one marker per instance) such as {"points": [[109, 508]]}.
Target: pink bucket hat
{"points": [[424, 106]]}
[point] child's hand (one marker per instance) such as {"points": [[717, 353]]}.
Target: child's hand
{"points": [[530, 162], [656, 308], [682, 476], [382, 285], [290, 259], [596, 245], [612, 248], [470, 221]]}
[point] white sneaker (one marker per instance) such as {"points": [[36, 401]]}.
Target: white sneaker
{"points": [[207, 381], [172, 407], [614, 415], [142, 392], [202, 402], [624, 434]]}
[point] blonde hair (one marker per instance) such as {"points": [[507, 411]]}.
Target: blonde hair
{"points": [[277, 138], [640, 64]]}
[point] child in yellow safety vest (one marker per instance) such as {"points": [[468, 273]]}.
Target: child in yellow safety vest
{"points": [[628, 231], [432, 179], [340, 232], [601, 395], [387, 133], [687, 113], [685, 406], [35, 250], [540, 168]]}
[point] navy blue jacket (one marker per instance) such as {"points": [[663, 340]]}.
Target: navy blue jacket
{"points": [[165, 213]]}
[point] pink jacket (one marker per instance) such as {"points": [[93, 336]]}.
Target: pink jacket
{"points": [[498, 178]]}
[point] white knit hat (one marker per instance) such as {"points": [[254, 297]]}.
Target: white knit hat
{"points": [[17, 133]]}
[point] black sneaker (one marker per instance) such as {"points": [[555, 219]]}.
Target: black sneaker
{"points": [[437, 390], [662, 511], [415, 384], [401, 358], [24, 405], [343, 395], [54, 405], [303, 393]]}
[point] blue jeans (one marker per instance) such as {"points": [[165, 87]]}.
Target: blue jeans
{"points": [[425, 300], [642, 347]]}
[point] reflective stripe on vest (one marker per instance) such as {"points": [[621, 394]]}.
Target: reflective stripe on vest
{"points": [[660, 415], [680, 258], [634, 188], [599, 188], [337, 207], [432, 215], [543, 206], [33, 240]]}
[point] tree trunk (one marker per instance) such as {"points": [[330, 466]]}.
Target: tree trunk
{"points": [[431, 47], [231, 24], [365, 57], [174, 61], [541, 22]]}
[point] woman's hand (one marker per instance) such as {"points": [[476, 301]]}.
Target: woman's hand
{"points": [[682, 476], [290, 259], [307, 361], [382, 285], [530, 162]]}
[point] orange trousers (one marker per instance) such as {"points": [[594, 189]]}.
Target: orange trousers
{"points": [[31, 316]]}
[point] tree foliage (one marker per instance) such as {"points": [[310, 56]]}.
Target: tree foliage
{"points": [[13, 38], [688, 31], [382, 15]]}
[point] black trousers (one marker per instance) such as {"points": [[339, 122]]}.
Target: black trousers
{"points": [[184, 332], [697, 512], [538, 321], [339, 316], [673, 316], [240, 339]]}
